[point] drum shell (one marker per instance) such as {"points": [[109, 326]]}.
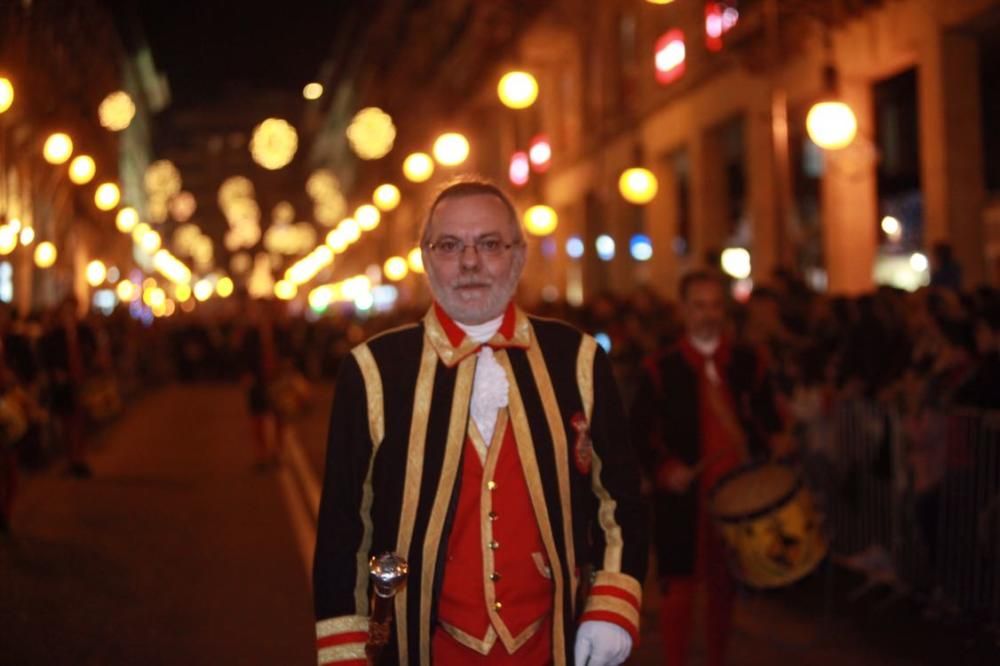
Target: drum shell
{"points": [[771, 544]]}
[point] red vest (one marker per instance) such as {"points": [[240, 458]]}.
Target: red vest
{"points": [[497, 583]]}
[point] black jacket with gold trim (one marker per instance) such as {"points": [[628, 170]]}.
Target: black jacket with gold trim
{"points": [[397, 431]]}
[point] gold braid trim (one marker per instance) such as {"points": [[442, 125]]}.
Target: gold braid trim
{"points": [[376, 429], [446, 483], [529, 464], [606, 505], [414, 475], [347, 652], [554, 419], [341, 625]]}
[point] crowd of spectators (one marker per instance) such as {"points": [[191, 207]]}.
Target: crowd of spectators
{"points": [[933, 349]]}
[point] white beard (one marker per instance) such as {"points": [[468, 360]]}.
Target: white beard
{"points": [[460, 310]]}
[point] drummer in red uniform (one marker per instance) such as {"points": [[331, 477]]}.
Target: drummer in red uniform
{"points": [[704, 407]]}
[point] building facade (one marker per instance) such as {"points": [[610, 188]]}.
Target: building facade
{"points": [[721, 124]]}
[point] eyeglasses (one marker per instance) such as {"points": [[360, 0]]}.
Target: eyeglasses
{"points": [[487, 246]]}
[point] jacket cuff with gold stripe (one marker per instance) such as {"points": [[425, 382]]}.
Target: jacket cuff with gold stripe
{"points": [[344, 535], [341, 640], [615, 598]]}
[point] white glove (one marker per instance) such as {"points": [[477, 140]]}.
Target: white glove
{"points": [[600, 643]]}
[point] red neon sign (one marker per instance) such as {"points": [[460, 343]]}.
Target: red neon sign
{"points": [[669, 57]]}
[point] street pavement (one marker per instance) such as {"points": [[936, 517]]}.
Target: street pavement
{"points": [[181, 551], [178, 551]]}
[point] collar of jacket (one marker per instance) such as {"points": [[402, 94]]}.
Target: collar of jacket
{"points": [[452, 345], [696, 359]]}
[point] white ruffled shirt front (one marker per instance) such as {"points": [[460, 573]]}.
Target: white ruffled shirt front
{"points": [[706, 347], [490, 386]]}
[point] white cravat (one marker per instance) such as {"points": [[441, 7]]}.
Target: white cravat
{"points": [[706, 347], [490, 386]]}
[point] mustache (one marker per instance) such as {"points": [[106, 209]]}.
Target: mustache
{"points": [[474, 281]]}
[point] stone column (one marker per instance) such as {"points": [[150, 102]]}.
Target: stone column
{"points": [[951, 148], [764, 190], [661, 227], [708, 194], [850, 201]]}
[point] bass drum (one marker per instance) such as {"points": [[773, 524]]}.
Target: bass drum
{"points": [[770, 524]]}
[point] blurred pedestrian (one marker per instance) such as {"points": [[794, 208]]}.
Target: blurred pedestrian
{"points": [[66, 350], [945, 269], [265, 365]]}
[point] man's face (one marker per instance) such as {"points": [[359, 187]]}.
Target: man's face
{"points": [[704, 309], [473, 286]]}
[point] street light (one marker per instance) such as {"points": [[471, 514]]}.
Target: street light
{"points": [[520, 168], [386, 197], [371, 133], [415, 259], [336, 241], [517, 90], [638, 185], [451, 149], [312, 91], [831, 125], [58, 147], [418, 167], [107, 196], [97, 272], [540, 220], [285, 290], [127, 291], [126, 219], [139, 231], [182, 292], [150, 242], [8, 239], [45, 254], [6, 94], [273, 143], [82, 169], [225, 287], [735, 262], [367, 216], [350, 230], [116, 111], [203, 290], [395, 268], [540, 153]]}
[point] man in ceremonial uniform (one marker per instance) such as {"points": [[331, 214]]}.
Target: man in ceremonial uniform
{"points": [[488, 449], [703, 408]]}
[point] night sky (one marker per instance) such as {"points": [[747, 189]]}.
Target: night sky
{"points": [[205, 45]]}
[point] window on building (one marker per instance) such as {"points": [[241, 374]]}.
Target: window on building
{"points": [[989, 86], [628, 53], [806, 166], [595, 271], [6, 282], [733, 144], [680, 164], [898, 170]]}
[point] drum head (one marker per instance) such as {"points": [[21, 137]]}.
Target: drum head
{"points": [[753, 490]]}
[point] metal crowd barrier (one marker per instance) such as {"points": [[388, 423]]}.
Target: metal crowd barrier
{"points": [[913, 502]]}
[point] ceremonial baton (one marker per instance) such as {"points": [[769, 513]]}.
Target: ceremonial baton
{"points": [[388, 575]]}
